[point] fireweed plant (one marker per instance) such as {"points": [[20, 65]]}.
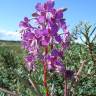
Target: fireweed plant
{"points": [[46, 35]]}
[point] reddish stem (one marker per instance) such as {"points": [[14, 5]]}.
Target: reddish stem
{"points": [[45, 79], [45, 73]]}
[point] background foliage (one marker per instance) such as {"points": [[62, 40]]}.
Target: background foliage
{"points": [[15, 78]]}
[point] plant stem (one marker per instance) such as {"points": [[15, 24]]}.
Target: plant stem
{"points": [[45, 73], [34, 85], [45, 79], [8, 92], [65, 87], [91, 53]]}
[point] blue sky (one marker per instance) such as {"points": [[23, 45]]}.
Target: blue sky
{"points": [[13, 11]]}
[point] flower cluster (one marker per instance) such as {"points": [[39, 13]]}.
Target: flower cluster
{"points": [[44, 41]]}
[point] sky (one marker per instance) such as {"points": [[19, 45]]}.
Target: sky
{"points": [[13, 11]]}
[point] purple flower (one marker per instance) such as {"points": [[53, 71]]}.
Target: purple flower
{"points": [[61, 53], [41, 19], [50, 65], [67, 36], [59, 67], [54, 29], [36, 37], [54, 64], [30, 66], [69, 74], [49, 5], [29, 42], [45, 41], [25, 25], [45, 32], [38, 33], [29, 60], [58, 38], [59, 14], [55, 52], [65, 45], [50, 62], [28, 36], [35, 14], [26, 19], [62, 24], [39, 7]]}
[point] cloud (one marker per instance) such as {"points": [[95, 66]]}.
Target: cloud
{"points": [[9, 35]]}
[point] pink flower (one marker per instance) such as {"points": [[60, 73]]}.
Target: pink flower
{"points": [[36, 38]]}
